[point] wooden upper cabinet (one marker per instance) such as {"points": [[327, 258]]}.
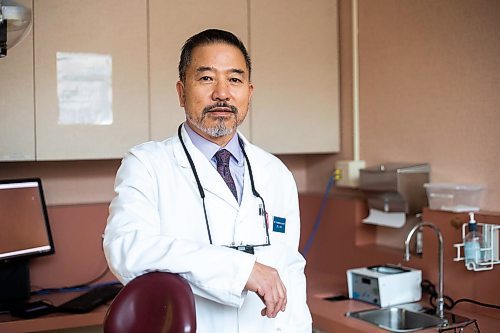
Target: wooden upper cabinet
{"points": [[90, 63], [294, 48], [171, 23], [95, 78], [17, 123]]}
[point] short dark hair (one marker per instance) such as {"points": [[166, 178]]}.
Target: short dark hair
{"points": [[210, 36]]}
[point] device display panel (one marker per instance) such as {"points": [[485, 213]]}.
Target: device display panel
{"points": [[24, 224]]}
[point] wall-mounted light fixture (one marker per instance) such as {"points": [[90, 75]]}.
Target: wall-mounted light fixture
{"points": [[15, 24]]}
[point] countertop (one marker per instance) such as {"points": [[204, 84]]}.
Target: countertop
{"points": [[54, 321], [329, 316]]}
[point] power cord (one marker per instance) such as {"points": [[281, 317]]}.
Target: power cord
{"points": [[77, 287], [429, 288]]}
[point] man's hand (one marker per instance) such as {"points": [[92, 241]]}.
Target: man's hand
{"points": [[266, 282]]}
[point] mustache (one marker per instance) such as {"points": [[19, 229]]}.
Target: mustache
{"points": [[212, 107]]}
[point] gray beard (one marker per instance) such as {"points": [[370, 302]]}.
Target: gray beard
{"points": [[217, 131]]}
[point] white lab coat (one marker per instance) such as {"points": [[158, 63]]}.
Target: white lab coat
{"points": [[156, 223]]}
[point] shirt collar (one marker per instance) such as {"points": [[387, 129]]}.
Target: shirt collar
{"points": [[209, 148]]}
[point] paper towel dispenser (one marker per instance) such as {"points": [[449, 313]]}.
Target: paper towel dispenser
{"points": [[395, 188]]}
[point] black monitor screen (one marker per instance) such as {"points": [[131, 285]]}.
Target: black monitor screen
{"points": [[24, 223]]}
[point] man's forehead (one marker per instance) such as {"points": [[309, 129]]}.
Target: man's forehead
{"points": [[208, 55]]}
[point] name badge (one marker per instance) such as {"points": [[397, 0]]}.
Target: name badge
{"points": [[279, 224]]}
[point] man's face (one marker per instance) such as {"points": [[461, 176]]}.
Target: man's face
{"points": [[216, 93]]}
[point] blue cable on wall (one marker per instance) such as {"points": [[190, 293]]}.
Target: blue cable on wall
{"points": [[310, 240]]}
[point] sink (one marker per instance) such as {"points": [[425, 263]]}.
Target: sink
{"points": [[396, 319]]}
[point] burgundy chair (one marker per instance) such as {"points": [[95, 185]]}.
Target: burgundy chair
{"points": [[156, 302]]}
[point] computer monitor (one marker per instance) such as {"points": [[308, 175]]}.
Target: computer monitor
{"points": [[24, 234]]}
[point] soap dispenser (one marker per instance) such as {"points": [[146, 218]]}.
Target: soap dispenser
{"points": [[472, 244]]}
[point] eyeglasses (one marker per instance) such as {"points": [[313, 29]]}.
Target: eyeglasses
{"points": [[251, 248]]}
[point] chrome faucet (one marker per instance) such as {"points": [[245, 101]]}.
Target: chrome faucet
{"points": [[440, 298]]}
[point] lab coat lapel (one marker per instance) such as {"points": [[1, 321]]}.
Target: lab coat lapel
{"points": [[258, 163], [247, 196], [260, 168], [210, 179], [260, 178]]}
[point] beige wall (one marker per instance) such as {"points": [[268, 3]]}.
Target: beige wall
{"points": [[70, 182], [429, 83], [429, 90]]}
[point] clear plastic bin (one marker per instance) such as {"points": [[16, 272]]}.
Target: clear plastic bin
{"points": [[454, 197]]}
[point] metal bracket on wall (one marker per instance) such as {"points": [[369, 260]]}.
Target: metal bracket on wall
{"points": [[489, 252]]}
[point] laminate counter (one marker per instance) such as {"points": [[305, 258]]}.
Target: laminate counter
{"points": [[329, 316], [54, 321]]}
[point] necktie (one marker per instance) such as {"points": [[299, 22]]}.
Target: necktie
{"points": [[222, 157]]}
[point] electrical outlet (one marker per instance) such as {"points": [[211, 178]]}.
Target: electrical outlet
{"points": [[347, 172]]}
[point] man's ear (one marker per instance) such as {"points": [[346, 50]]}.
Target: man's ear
{"points": [[180, 93], [251, 90]]}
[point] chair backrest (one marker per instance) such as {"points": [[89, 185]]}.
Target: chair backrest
{"points": [[156, 302]]}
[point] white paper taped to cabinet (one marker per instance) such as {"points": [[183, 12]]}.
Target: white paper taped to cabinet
{"points": [[378, 217]]}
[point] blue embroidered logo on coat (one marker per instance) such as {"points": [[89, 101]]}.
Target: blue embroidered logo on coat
{"points": [[279, 224]]}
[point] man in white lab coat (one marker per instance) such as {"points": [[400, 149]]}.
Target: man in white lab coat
{"points": [[231, 229]]}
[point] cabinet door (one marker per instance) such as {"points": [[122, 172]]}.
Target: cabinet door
{"points": [[17, 123], [171, 23], [295, 107], [73, 87]]}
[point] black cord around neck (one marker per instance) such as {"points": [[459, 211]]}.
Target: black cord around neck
{"points": [[200, 188], [193, 168], [202, 192]]}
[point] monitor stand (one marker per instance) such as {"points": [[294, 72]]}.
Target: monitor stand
{"points": [[14, 283]]}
